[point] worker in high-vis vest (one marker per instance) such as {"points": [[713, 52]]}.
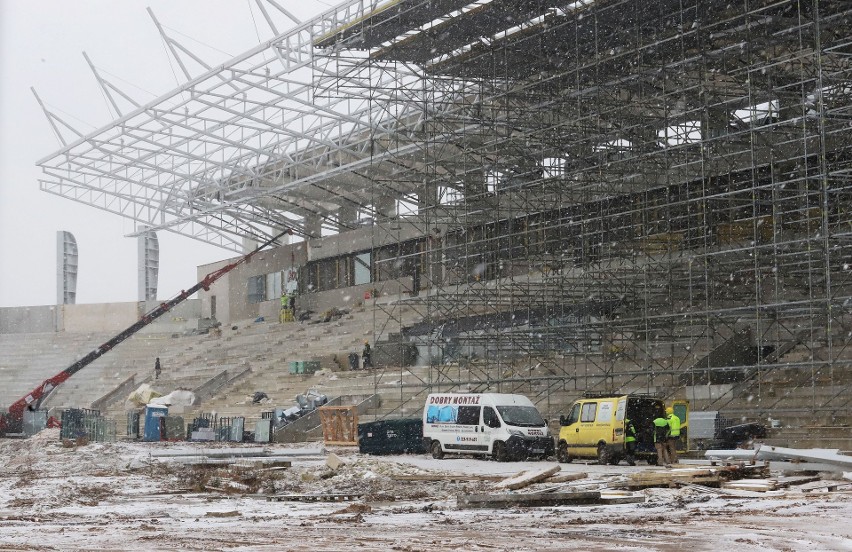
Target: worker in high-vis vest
{"points": [[661, 435], [630, 442], [674, 434], [282, 317]]}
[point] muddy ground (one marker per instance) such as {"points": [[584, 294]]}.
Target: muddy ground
{"points": [[118, 496]]}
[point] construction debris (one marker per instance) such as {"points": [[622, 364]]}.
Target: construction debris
{"points": [[245, 458], [141, 396], [711, 476], [526, 478], [771, 484], [333, 461], [450, 477], [826, 486], [507, 500], [325, 497], [376, 498], [567, 477], [529, 500], [830, 457]]}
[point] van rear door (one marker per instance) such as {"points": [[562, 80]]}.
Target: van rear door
{"points": [[618, 426]]}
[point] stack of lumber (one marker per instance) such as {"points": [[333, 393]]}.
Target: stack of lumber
{"points": [[711, 476], [770, 484], [558, 493]]}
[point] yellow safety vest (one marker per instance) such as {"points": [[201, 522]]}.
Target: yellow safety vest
{"points": [[674, 425]]}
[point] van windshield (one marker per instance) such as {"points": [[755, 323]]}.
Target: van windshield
{"points": [[521, 416]]}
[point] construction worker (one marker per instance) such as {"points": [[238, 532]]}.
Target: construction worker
{"points": [[366, 354], [674, 434], [291, 303], [661, 435], [630, 442], [284, 304], [157, 369], [288, 307]]}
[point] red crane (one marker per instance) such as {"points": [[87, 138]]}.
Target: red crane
{"points": [[12, 421]]}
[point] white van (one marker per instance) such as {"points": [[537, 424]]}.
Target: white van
{"points": [[506, 427]]}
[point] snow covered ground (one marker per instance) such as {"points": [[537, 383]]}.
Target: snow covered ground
{"points": [[118, 496]]}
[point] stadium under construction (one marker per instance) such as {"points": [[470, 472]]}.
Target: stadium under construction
{"points": [[555, 196]]}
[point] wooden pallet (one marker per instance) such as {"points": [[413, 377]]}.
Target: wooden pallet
{"points": [[339, 425]]}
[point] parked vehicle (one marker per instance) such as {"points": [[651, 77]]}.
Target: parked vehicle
{"points": [[595, 427], [506, 427]]}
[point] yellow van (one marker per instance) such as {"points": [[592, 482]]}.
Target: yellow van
{"points": [[595, 427]]}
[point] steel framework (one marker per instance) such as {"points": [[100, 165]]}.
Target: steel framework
{"points": [[597, 194]]}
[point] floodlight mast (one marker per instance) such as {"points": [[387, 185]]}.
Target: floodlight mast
{"points": [[12, 421]]}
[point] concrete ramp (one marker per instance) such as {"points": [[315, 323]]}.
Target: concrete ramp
{"points": [[308, 427]]}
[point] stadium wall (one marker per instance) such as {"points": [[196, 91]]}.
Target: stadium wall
{"points": [[96, 317]]}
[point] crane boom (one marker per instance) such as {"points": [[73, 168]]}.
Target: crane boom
{"points": [[12, 421]]}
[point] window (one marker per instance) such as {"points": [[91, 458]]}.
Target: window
{"points": [[574, 417], [468, 415], [619, 411], [449, 196], [362, 269], [521, 416], [273, 285], [327, 269], [605, 415], [554, 166], [688, 132], [257, 289], [588, 413], [759, 114], [489, 417]]}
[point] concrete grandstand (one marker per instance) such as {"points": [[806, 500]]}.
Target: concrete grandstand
{"points": [[544, 197]]}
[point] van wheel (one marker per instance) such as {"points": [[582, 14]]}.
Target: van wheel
{"points": [[614, 460], [562, 454], [437, 452], [499, 452], [652, 461], [603, 455]]}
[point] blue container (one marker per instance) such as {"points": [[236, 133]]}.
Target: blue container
{"points": [[155, 422]]}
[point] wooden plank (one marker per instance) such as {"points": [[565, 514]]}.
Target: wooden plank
{"points": [[673, 478], [526, 478], [829, 486], [327, 497], [447, 477], [528, 500], [752, 485], [566, 477], [613, 500], [669, 475], [262, 463], [796, 480], [710, 481]]}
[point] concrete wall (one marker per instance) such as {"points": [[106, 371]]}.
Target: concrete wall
{"points": [[99, 317], [181, 319], [42, 319], [188, 310], [220, 291], [231, 291], [345, 298], [362, 239]]}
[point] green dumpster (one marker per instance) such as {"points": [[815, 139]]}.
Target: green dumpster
{"points": [[391, 436]]}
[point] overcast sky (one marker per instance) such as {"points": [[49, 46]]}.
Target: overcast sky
{"points": [[41, 45]]}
